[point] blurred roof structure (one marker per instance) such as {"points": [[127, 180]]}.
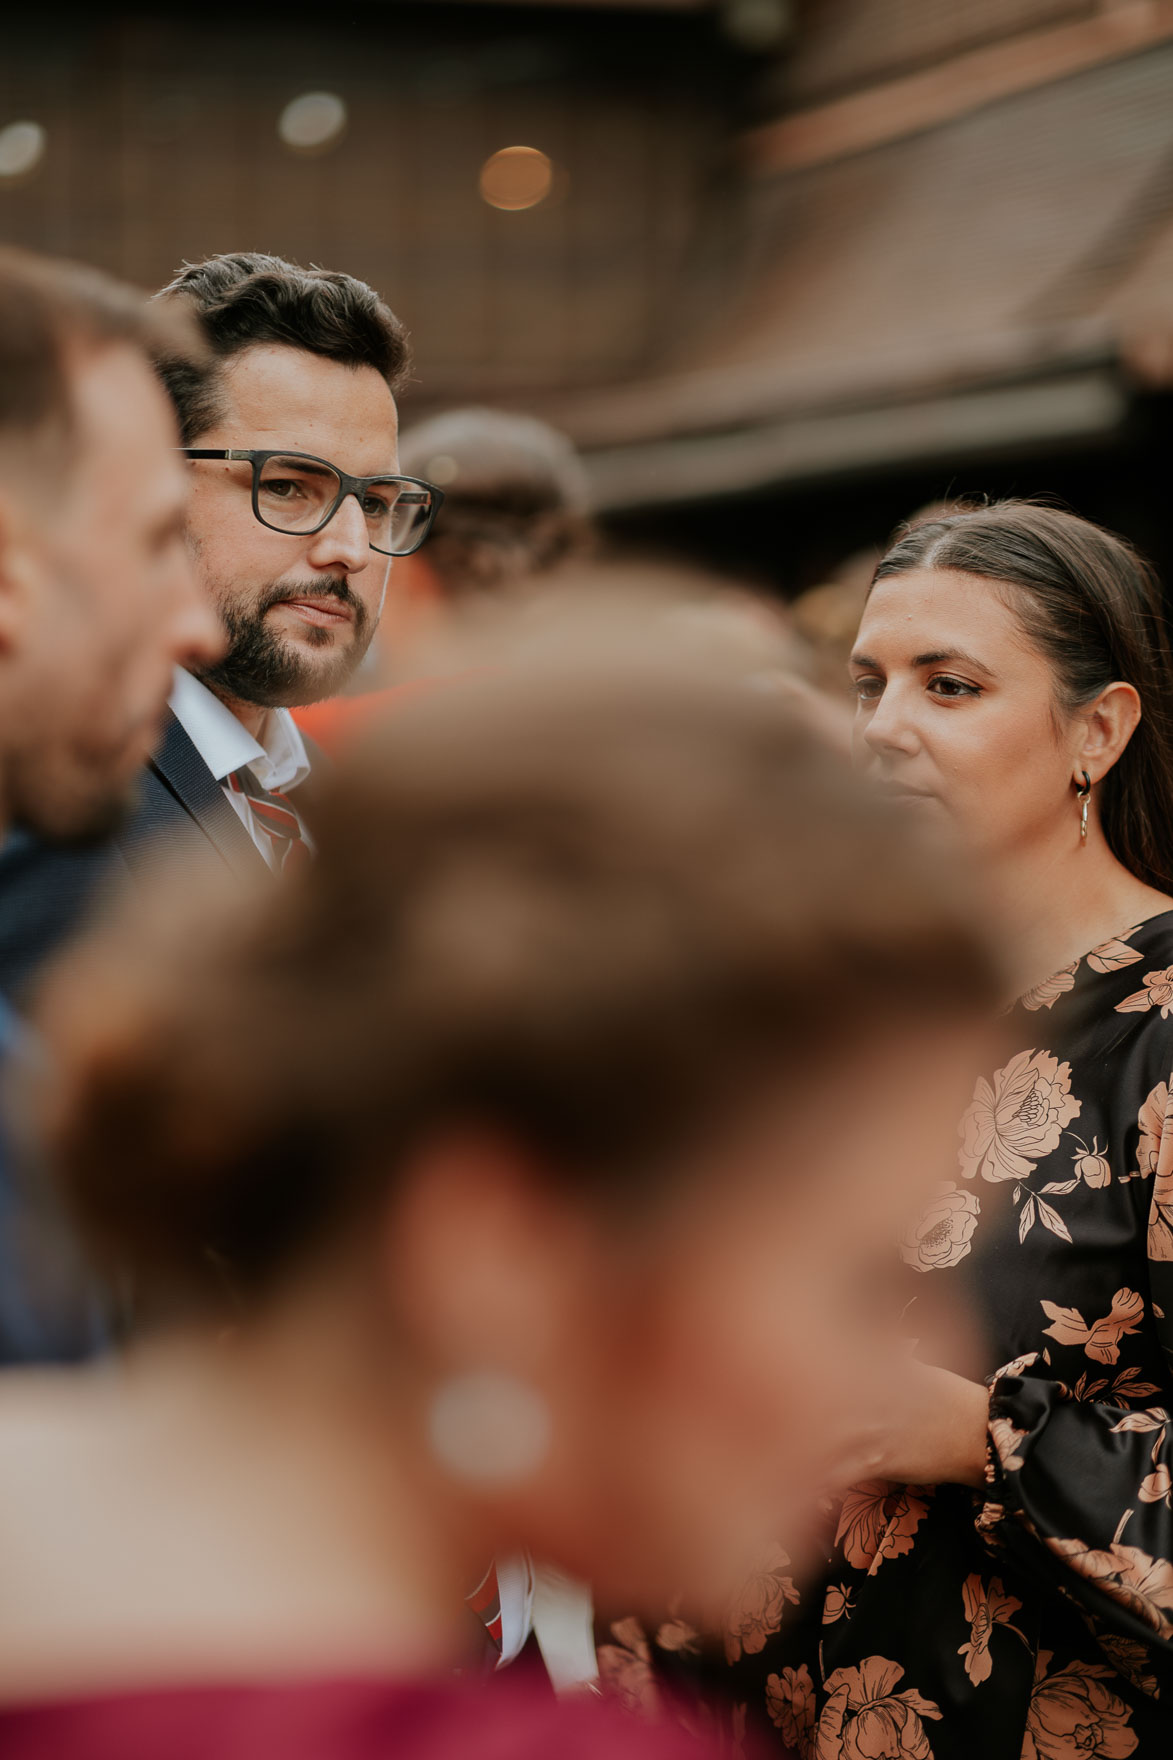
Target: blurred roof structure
{"points": [[972, 255]]}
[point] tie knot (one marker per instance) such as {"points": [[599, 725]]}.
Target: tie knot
{"points": [[273, 814]]}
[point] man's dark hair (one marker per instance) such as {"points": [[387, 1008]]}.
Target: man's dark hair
{"points": [[245, 298], [50, 311]]}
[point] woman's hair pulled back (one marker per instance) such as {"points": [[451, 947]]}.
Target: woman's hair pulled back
{"points": [[1092, 605]]}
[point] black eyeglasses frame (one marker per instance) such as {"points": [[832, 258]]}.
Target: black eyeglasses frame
{"points": [[355, 486]]}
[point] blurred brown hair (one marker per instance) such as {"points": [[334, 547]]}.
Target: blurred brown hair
{"points": [[595, 899], [515, 497], [50, 311]]}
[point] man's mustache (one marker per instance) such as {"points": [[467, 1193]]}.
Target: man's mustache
{"points": [[332, 588]]}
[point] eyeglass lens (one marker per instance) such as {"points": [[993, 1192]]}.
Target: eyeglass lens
{"points": [[296, 495]]}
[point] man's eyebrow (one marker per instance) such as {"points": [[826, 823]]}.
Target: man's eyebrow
{"points": [[865, 660]]}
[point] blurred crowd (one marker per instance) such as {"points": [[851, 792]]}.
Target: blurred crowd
{"points": [[586, 1159]]}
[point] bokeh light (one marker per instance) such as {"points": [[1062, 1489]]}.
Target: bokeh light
{"points": [[442, 470], [516, 178], [22, 147], [312, 122]]}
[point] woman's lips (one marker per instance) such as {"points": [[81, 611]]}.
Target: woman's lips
{"points": [[900, 791], [324, 613]]}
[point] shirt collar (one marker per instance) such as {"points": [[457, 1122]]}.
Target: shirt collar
{"points": [[278, 760]]}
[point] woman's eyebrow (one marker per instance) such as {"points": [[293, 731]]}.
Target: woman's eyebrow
{"points": [[946, 656], [864, 660]]}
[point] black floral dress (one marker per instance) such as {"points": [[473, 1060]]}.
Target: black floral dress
{"points": [[1036, 1619]]}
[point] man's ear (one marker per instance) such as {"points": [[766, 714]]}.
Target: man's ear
{"points": [[1108, 725]]}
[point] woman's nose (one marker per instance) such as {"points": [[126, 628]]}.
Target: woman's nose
{"points": [[890, 727]]}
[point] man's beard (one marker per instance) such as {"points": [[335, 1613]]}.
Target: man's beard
{"points": [[270, 673]]}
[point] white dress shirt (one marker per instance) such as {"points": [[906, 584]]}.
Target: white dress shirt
{"points": [[279, 760]]}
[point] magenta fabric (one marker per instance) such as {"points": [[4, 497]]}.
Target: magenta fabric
{"points": [[496, 1719]]}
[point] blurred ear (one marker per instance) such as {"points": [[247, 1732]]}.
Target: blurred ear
{"points": [[18, 576], [1108, 725], [488, 1266]]}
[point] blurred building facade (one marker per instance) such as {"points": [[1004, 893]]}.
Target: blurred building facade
{"points": [[785, 269]]}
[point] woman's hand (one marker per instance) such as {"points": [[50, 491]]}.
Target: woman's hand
{"points": [[934, 1432]]}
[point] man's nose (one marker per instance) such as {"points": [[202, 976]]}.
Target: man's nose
{"points": [[343, 546]]}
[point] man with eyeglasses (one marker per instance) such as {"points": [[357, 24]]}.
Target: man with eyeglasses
{"points": [[295, 510]]}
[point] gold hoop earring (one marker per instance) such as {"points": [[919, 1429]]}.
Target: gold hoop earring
{"points": [[1083, 796]]}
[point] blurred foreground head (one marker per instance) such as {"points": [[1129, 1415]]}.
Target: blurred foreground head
{"points": [[97, 600], [587, 1073]]}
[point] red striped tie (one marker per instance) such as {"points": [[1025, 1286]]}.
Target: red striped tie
{"points": [[485, 1602], [274, 815]]}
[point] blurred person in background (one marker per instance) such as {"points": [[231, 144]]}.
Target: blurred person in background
{"points": [[562, 1108], [515, 514], [296, 508], [98, 603], [1002, 1582]]}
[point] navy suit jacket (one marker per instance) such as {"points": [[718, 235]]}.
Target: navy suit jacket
{"points": [[47, 890], [50, 1310]]}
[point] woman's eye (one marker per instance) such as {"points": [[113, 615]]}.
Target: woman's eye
{"points": [[868, 689], [943, 686]]}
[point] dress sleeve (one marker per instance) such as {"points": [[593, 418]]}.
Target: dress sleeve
{"points": [[1081, 1493]]}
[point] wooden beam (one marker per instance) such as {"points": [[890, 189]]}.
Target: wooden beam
{"points": [[920, 101]]}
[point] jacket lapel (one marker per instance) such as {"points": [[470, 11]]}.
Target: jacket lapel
{"points": [[179, 766]]}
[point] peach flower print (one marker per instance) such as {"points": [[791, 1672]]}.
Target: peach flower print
{"points": [[1011, 1125], [790, 1700], [941, 1238], [1100, 1340], [1142, 1584], [877, 1521], [1157, 993], [757, 1613], [1073, 1715], [985, 1608], [837, 1603], [1091, 1166], [1006, 1439], [625, 1668], [1112, 956], [1154, 1158], [866, 1719], [1129, 1657], [1151, 1122], [1047, 994]]}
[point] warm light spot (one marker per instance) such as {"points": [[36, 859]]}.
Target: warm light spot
{"points": [[516, 177], [313, 121], [442, 470], [22, 146]]}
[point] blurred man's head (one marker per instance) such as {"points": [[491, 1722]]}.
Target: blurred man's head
{"points": [[97, 598], [516, 499], [304, 361]]}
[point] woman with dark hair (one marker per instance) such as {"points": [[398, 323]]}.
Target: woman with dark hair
{"points": [[1004, 1578], [494, 1187]]}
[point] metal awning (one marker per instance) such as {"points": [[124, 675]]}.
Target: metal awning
{"points": [[999, 280]]}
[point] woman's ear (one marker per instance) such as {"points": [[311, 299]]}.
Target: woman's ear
{"points": [[1108, 725]]}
